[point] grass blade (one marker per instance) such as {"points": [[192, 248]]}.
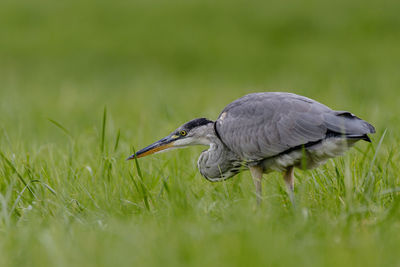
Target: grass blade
{"points": [[59, 126], [117, 140], [145, 191], [11, 165], [139, 172], [370, 179], [103, 130]]}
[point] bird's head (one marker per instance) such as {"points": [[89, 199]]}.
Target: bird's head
{"points": [[193, 132]]}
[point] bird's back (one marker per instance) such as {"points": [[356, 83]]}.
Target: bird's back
{"points": [[264, 125]]}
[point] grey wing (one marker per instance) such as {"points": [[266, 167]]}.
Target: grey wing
{"points": [[262, 125]]}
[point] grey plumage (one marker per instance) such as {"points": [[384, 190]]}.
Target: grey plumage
{"points": [[263, 125], [265, 132]]}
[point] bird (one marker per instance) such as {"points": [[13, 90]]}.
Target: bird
{"points": [[265, 132]]}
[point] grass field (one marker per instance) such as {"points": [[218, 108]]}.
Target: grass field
{"points": [[83, 83]]}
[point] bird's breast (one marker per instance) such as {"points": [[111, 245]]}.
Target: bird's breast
{"points": [[218, 163]]}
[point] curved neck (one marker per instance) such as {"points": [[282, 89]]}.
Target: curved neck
{"points": [[218, 162]]}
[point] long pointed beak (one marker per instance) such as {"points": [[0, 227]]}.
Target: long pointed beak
{"points": [[158, 146]]}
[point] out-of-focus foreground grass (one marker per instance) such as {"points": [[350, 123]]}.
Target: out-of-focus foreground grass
{"points": [[67, 195]]}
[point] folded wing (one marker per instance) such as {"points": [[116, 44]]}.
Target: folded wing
{"points": [[263, 125]]}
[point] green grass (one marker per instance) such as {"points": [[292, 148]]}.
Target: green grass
{"points": [[85, 83]]}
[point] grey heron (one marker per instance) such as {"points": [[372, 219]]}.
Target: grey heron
{"points": [[264, 132]]}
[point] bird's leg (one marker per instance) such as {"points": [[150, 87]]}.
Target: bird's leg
{"points": [[289, 181], [257, 173]]}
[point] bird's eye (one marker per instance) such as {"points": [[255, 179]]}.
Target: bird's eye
{"points": [[183, 133]]}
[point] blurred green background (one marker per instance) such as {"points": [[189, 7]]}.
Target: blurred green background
{"points": [[156, 64]]}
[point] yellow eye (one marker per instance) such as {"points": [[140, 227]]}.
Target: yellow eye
{"points": [[183, 133]]}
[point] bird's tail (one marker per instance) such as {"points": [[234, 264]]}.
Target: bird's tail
{"points": [[347, 124]]}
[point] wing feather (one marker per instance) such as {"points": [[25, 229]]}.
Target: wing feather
{"points": [[262, 125]]}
